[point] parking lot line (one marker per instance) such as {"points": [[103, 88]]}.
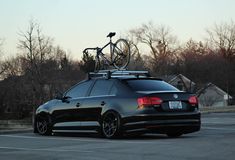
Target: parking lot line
{"points": [[43, 149], [52, 138], [219, 128], [82, 139]]}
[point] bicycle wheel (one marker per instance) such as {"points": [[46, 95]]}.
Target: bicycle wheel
{"points": [[121, 54]]}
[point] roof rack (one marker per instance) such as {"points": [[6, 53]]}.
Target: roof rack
{"points": [[117, 73]]}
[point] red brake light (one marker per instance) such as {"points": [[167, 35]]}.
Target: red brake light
{"points": [[155, 100], [193, 100], [148, 101]]}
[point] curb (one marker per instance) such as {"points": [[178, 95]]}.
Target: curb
{"points": [[208, 112], [217, 109], [25, 130]]}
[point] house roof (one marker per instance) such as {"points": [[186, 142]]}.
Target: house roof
{"points": [[173, 77], [182, 77], [209, 85], [168, 78]]}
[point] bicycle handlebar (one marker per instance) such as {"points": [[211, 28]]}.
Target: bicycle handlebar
{"points": [[85, 50]]}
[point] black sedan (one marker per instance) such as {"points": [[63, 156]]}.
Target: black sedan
{"points": [[120, 102]]}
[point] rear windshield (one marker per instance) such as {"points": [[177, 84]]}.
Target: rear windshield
{"points": [[150, 85]]}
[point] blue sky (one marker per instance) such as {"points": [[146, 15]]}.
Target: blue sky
{"points": [[77, 24]]}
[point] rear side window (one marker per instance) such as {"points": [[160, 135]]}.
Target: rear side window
{"points": [[79, 90], [150, 85], [101, 87]]}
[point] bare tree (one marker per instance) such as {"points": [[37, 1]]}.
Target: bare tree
{"points": [[136, 58], [88, 63], [1, 44], [11, 67], [161, 43], [36, 74], [157, 38], [44, 45], [1, 52], [222, 37], [36, 48]]}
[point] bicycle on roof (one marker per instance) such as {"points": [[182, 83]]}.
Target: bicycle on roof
{"points": [[119, 54]]}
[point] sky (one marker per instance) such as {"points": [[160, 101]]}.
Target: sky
{"points": [[77, 24]]}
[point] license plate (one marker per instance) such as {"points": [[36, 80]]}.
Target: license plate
{"points": [[175, 105]]}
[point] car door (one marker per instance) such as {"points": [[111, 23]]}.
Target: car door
{"points": [[67, 109], [96, 99]]}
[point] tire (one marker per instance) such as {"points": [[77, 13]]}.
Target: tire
{"points": [[111, 125], [34, 125], [43, 126], [121, 54], [174, 135]]}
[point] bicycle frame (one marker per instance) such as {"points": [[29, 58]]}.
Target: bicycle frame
{"points": [[99, 53], [115, 52]]}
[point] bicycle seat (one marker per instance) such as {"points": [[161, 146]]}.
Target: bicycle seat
{"points": [[111, 34]]}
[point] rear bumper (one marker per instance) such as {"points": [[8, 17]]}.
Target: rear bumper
{"points": [[163, 123]]}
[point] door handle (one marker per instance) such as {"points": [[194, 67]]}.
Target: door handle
{"points": [[102, 103], [78, 104]]}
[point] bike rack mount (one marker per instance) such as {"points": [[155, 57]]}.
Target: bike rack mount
{"points": [[117, 73]]}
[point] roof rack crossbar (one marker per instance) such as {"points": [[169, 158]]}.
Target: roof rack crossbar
{"points": [[117, 73]]}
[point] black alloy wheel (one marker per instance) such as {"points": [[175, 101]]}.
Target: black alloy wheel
{"points": [[43, 126], [111, 125]]}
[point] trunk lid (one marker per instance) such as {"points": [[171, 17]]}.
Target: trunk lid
{"points": [[172, 101]]}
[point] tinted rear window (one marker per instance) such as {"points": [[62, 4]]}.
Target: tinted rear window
{"points": [[150, 85]]}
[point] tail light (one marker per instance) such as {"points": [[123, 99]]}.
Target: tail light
{"points": [[193, 100], [148, 101]]}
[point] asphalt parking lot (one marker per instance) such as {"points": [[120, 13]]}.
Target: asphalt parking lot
{"points": [[216, 141]]}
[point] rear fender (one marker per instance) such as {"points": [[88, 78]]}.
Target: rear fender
{"points": [[111, 108]]}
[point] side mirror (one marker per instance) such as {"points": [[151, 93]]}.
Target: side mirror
{"points": [[65, 99]]}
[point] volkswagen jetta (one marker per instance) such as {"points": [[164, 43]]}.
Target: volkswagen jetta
{"points": [[114, 103]]}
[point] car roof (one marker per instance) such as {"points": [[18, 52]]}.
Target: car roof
{"points": [[136, 78]]}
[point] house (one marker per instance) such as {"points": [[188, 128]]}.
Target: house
{"points": [[209, 95], [181, 82], [212, 95]]}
